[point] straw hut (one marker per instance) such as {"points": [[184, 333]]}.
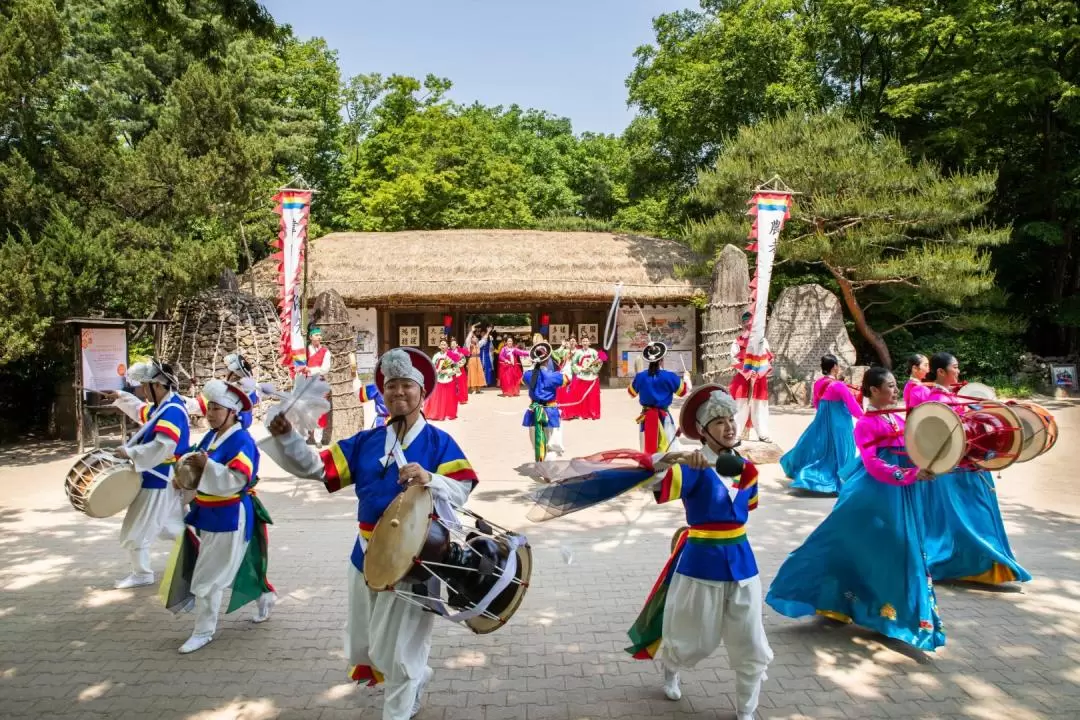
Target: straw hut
{"points": [[410, 285]]}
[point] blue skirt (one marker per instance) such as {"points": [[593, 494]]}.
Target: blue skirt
{"points": [[864, 564], [965, 535], [825, 448]]}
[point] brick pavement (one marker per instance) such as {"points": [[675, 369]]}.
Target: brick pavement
{"points": [[71, 647]]}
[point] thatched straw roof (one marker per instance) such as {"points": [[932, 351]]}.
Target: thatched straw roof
{"points": [[447, 266]]}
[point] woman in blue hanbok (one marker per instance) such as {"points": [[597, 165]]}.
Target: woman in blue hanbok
{"points": [[864, 563], [828, 444], [965, 534]]}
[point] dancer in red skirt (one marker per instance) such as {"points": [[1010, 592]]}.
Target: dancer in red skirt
{"points": [[584, 395], [750, 389], [442, 404], [461, 379], [510, 372]]}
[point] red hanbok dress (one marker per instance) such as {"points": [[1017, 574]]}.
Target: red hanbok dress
{"points": [[584, 394], [461, 379], [510, 372], [442, 403]]}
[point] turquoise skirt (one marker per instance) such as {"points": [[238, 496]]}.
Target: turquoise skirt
{"points": [[823, 451], [965, 535], [864, 563]]}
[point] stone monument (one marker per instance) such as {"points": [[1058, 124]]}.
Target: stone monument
{"points": [[329, 313], [806, 322], [729, 298]]}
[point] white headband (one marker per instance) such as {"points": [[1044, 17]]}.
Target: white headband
{"points": [[719, 405], [396, 364], [217, 391]]}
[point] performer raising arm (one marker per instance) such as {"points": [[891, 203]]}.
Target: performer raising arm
{"points": [[715, 592], [158, 508], [386, 637], [655, 388]]}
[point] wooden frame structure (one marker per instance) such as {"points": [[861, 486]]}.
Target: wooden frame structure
{"points": [[84, 411]]}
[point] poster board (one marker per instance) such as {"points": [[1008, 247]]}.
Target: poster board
{"points": [[675, 326], [435, 335], [104, 356], [365, 321], [409, 336], [589, 330], [558, 333]]}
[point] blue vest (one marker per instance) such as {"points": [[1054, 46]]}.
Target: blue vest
{"points": [[173, 424], [215, 513]]}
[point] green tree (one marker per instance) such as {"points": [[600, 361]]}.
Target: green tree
{"points": [[713, 71], [986, 85], [894, 234], [135, 137]]}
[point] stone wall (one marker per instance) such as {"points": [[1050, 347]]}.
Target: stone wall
{"points": [[806, 322], [218, 322]]}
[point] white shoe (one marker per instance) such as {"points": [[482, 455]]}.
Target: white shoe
{"points": [[135, 580], [263, 606], [744, 716], [671, 685], [418, 703], [195, 642]]}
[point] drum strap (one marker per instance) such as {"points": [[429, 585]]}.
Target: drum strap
{"points": [[149, 422], [508, 574]]}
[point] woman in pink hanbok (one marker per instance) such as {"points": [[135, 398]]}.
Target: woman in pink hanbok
{"points": [[510, 372]]}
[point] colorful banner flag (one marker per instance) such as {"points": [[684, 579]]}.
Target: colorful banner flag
{"points": [[770, 210], [293, 206]]}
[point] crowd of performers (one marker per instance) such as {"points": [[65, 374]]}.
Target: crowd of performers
{"points": [[892, 532]]}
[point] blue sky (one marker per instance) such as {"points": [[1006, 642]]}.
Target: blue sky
{"points": [[569, 58]]}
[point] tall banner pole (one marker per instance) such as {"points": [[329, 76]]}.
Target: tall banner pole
{"points": [[293, 207], [769, 209]]}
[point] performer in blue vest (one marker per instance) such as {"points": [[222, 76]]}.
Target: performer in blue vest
{"points": [[656, 388], [239, 372], [542, 417], [370, 393], [387, 638], [164, 436], [227, 516]]}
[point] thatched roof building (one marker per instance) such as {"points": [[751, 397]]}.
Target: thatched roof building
{"points": [[494, 268], [406, 288]]}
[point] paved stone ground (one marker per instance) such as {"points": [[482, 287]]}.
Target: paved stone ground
{"points": [[72, 647]]}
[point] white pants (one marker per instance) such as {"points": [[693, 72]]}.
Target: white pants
{"points": [[220, 556], [393, 636], [756, 410], [700, 615], [153, 514]]}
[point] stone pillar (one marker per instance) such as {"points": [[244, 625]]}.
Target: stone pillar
{"points": [[729, 298], [346, 413]]}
